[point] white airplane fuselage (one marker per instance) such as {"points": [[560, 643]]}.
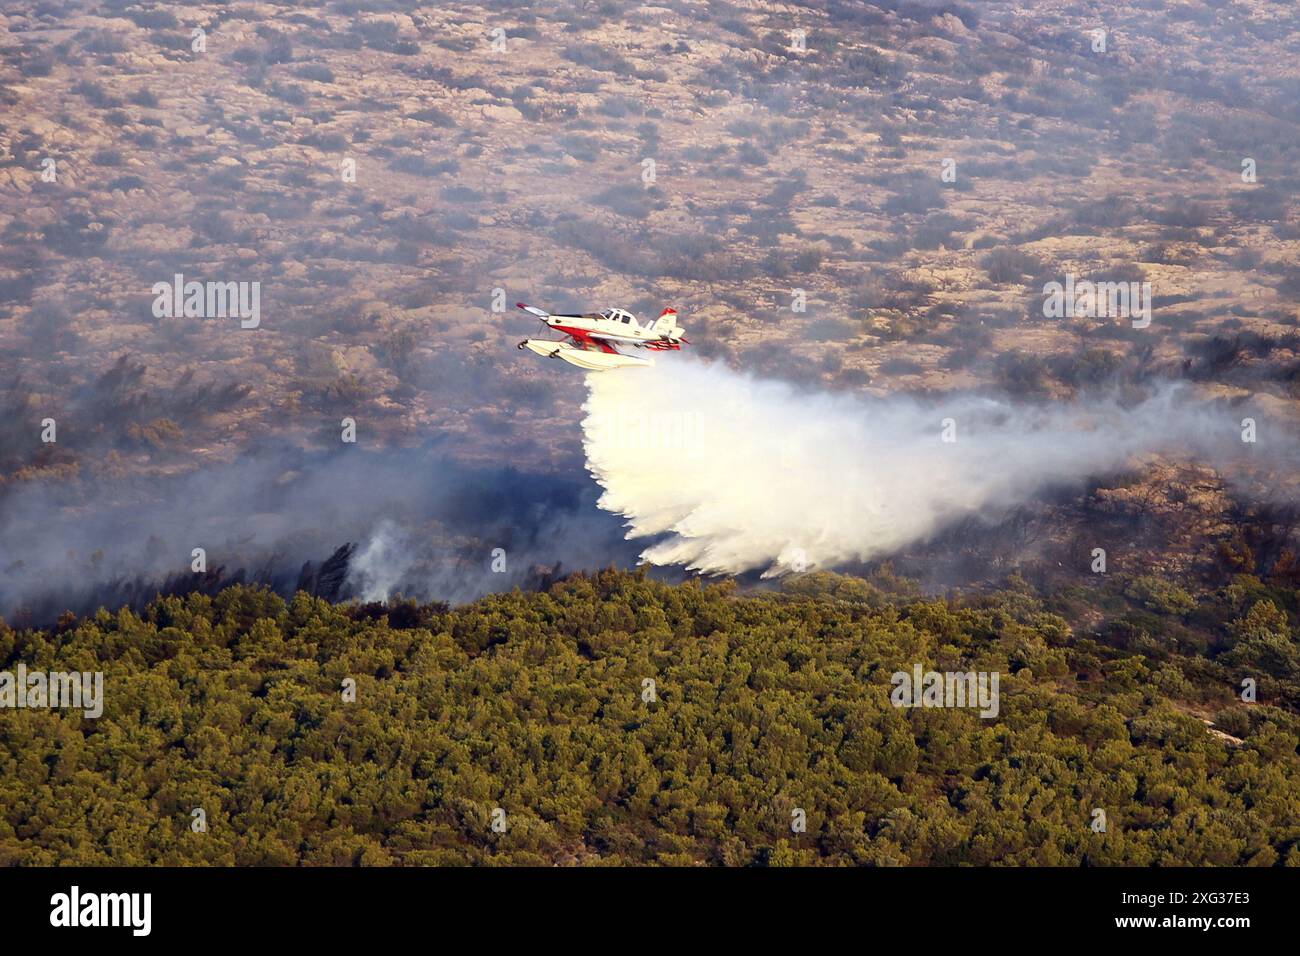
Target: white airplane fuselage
{"points": [[592, 338], [610, 330]]}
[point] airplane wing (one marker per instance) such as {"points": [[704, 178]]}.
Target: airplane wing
{"points": [[533, 310]]}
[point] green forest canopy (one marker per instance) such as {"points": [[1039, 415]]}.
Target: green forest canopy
{"points": [[765, 704]]}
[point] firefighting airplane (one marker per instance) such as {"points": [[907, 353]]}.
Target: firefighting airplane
{"points": [[593, 335]]}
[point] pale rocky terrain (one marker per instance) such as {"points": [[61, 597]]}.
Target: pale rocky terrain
{"points": [[499, 148]]}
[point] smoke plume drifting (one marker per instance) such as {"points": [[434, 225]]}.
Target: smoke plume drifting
{"points": [[395, 520], [730, 473]]}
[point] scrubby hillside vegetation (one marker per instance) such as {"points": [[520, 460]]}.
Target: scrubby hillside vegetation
{"points": [[765, 704]]}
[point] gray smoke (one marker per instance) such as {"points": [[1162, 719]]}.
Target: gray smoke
{"points": [[422, 526]]}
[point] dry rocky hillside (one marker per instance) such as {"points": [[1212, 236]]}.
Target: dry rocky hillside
{"points": [[388, 173]]}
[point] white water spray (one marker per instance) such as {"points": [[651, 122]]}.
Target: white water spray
{"points": [[732, 473]]}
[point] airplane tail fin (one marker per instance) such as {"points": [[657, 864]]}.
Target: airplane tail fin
{"points": [[666, 324]]}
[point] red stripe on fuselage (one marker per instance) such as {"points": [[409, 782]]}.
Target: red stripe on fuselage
{"points": [[584, 338]]}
